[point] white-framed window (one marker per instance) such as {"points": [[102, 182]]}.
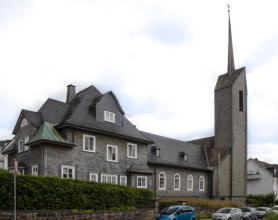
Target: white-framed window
{"points": [[190, 183], [177, 181], [157, 152], [162, 181], [202, 183], [185, 157], [132, 151], [142, 182], [123, 180], [68, 172], [89, 143], [94, 177], [35, 170], [25, 141], [20, 146], [112, 153], [109, 116], [109, 178]]}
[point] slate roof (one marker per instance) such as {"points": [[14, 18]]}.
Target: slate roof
{"points": [[227, 79], [170, 153], [53, 110], [34, 118], [47, 133], [10, 147], [80, 113]]}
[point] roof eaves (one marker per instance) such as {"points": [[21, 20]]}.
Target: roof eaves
{"points": [[62, 125], [158, 163], [42, 141]]}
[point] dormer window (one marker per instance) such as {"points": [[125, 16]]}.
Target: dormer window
{"points": [[184, 156], [20, 146], [109, 116], [156, 151]]}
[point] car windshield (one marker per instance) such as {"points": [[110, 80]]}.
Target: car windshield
{"points": [[275, 208], [260, 209], [224, 210], [169, 210], [245, 210]]}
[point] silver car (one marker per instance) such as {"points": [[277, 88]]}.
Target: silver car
{"points": [[227, 214]]}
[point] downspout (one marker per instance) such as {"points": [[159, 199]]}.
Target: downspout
{"points": [[155, 182], [218, 176], [42, 160]]}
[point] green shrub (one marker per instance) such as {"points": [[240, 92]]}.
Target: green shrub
{"points": [[203, 216], [53, 193], [260, 200]]}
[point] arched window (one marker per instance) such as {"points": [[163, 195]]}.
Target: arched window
{"points": [[190, 183], [23, 122], [162, 181], [202, 184], [177, 178]]}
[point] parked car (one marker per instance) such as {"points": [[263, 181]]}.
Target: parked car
{"points": [[275, 209], [266, 209], [177, 212], [227, 214], [249, 213], [261, 212]]}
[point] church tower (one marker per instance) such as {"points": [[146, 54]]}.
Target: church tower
{"points": [[230, 102]]}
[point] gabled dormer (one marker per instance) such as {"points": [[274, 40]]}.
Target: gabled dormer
{"points": [[108, 109]]}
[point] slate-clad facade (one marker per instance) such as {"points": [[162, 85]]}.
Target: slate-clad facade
{"points": [[56, 146], [89, 137]]}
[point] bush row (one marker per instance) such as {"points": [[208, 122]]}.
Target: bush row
{"points": [[261, 200], [53, 193]]}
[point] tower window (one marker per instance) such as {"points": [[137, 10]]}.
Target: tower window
{"points": [[241, 100]]}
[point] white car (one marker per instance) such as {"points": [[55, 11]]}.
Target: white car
{"points": [[275, 209], [227, 214]]}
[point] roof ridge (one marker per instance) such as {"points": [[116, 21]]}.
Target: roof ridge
{"points": [[170, 138]]}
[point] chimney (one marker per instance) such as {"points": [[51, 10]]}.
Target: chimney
{"points": [[70, 93]]}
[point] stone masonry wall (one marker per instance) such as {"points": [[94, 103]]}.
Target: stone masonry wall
{"points": [[140, 214]]}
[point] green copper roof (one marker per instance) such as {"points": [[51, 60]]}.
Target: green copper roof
{"points": [[11, 147], [47, 133]]}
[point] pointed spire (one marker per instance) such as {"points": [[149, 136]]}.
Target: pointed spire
{"points": [[231, 65]]}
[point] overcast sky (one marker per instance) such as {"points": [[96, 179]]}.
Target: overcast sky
{"points": [[160, 57]]}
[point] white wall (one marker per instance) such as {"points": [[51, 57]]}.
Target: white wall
{"points": [[263, 185]]}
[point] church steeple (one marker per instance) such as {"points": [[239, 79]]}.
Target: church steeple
{"points": [[231, 65]]}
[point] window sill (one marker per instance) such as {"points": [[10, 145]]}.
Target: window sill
{"points": [[114, 161], [90, 151], [134, 158], [142, 187], [162, 189]]}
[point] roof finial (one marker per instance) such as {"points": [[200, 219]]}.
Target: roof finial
{"points": [[231, 65]]}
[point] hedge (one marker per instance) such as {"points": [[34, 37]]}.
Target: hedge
{"points": [[53, 193], [261, 200]]}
